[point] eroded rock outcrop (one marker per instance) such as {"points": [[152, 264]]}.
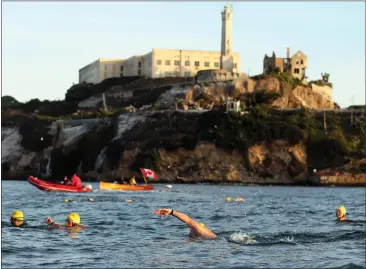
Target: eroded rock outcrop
{"points": [[279, 161], [352, 174]]}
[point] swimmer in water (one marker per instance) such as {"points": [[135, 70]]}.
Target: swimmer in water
{"points": [[197, 229], [341, 214], [17, 219], [72, 221]]}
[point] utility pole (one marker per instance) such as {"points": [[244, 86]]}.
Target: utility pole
{"points": [[351, 100], [324, 122], [105, 102], [40, 163]]}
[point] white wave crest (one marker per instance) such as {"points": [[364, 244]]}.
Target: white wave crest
{"points": [[243, 238], [287, 240]]}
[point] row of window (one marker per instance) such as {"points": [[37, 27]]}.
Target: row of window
{"points": [[174, 74], [165, 74], [176, 63], [302, 62], [121, 68], [188, 63]]}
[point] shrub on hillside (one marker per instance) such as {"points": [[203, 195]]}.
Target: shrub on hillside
{"points": [[79, 92], [8, 101], [259, 97], [57, 108], [31, 106]]}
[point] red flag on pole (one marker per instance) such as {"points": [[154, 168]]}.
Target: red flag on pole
{"points": [[149, 173]]}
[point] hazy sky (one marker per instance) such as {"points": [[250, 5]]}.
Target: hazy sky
{"points": [[44, 44]]}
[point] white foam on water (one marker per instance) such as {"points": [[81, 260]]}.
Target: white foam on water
{"points": [[242, 238]]}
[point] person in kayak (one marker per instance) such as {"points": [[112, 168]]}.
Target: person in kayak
{"points": [[17, 219], [76, 181], [133, 181], [197, 229], [72, 221]]}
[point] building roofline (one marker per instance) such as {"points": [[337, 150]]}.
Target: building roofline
{"points": [[101, 60], [110, 59], [218, 51]]}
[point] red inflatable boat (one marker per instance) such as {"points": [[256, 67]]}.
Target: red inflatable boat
{"points": [[49, 186]]}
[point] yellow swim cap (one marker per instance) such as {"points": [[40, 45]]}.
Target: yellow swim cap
{"points": [[202, 224], [17, 215], [228, 198], [74, 217], [342, 209]]}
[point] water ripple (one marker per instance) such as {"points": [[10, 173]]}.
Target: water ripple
{"points": [[260, 232]]}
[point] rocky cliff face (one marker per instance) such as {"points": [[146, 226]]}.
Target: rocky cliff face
{"points": [[261, 146], [266, 147], [351, 174], [291, 96], [279, 161]]}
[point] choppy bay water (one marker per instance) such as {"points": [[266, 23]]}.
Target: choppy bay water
{"points": [[287, 227]]}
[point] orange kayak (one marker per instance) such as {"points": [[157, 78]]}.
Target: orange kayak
{"points": [[124, 187]]}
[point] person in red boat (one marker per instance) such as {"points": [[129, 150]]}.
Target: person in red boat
{"points": [[67, 181], [76, 181]]}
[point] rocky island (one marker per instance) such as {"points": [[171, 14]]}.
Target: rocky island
{"points": [[266, 129]]}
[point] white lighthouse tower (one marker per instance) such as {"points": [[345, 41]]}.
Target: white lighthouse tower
{"points": [[226, 59]]}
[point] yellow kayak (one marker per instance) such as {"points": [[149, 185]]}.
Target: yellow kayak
{"points": [[114, 186]]}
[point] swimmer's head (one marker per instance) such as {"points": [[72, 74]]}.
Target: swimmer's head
{"points": [[202, 224], [17, 218], [341, 212], [72, 218], [228, 199]]}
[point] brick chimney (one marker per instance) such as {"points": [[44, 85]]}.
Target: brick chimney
{"points": [[288, 52]]}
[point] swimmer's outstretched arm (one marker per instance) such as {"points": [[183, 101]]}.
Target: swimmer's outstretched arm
{"points": [[194, 225], [53, 224]]}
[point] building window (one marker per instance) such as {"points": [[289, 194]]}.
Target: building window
{"points": [[186, 63], [207, 64], [139, 65], [235, 65], [122, 68], [216, 64], [177, 74], [121, 75], [177, 63], [105, 67], [187, 74], [105, 74], [296, 71], [139, 72], [196, 63], [167, 62], [297, 62], [158, 62], [302, 61]]}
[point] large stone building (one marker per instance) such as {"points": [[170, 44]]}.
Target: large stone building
{"points": [[100, 69], [295, 65], [168, 62]]}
